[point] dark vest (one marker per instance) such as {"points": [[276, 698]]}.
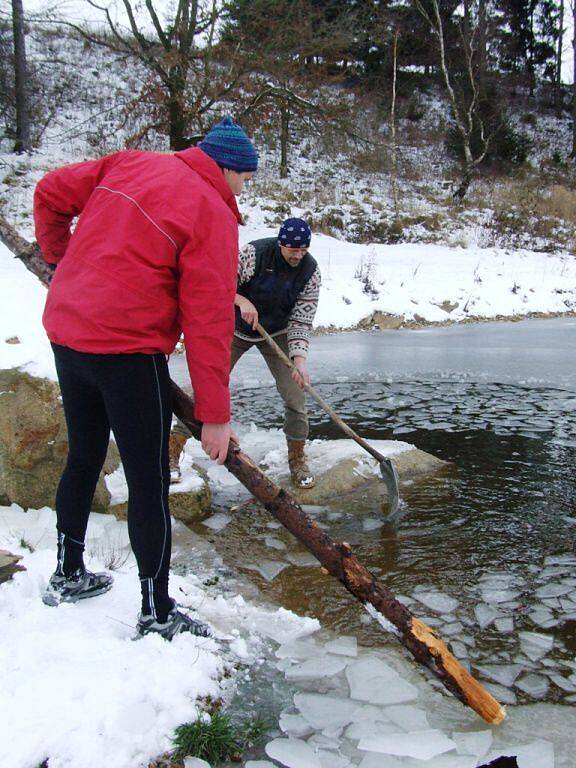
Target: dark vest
{"points": [[274, 287]]}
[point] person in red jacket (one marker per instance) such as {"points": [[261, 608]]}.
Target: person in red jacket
{"points": [[153, 255]]}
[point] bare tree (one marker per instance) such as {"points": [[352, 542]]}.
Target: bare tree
{"points": [[22, 143], [465, 104], [573, 8], [559, 51], [393, 129], [188, 74]]}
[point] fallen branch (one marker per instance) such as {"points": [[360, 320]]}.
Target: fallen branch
{"points": [[337, 559]]}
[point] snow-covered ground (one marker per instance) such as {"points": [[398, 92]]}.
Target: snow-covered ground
{"points": [[416, 282], [76, 688]]}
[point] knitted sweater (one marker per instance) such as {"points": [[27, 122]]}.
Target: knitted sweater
{"points": [[301, 317]]}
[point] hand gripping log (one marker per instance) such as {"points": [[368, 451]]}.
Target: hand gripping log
{"points": [[422, 642]]}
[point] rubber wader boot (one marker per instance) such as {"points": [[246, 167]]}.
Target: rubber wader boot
{"points": [[175, 448], [299, 470]]}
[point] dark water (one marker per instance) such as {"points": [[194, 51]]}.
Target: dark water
{"points": [[490, 521]]}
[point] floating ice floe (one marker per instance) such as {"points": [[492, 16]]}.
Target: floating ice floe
{"points": [[504, 674], [472, 742], [502, 694], [299, 649], [504, 624], [274, 543], [535, 645], [295, 725], [345, 645], [536, 754], [293, 753], [485, 615], [374, 681], [437, 601], [407, 717], [322, 666], [218, 521], [535, 686], [553, 590], [268, 569], [325, 711], [422, 745]]}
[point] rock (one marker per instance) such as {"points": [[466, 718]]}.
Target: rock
{"points": [[189, 502], [33, 442], [359, 470], [8, 565], [383, 321]]}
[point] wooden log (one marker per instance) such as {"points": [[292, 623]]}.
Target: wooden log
{"points": [[337, 559], [422, 642]]}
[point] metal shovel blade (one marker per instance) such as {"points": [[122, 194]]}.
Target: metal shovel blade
{"points": [[390, 477]]}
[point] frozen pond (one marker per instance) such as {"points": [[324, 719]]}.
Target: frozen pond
{"points": [[484, 553]]}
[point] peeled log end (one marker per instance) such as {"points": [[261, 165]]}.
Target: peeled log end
{"points": [[474, 694]]}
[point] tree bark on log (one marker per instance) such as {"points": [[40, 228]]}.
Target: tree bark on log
{"points": [[336, 558]]}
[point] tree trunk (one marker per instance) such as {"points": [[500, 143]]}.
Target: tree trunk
{"points": [[176, 116], [284, 138], [337, 559], [482, 55], [20, 79], [573, 153], [559, 47]]}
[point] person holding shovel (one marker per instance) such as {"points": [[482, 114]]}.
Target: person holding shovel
{"points": [[278, 287], [154, 254]]}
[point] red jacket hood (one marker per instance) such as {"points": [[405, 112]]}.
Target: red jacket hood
{"points": [[212, 173]]}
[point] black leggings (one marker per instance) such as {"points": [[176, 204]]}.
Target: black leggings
{"points": [[130, 394]]}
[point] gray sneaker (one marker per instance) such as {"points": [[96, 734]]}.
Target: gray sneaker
{"points": [[176, 622], [78, 586]]}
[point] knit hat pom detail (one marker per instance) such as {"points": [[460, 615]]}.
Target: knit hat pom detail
{"points": [[230, 147]]}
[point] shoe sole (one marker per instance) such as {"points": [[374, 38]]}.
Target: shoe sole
{"points": [[53, 602]]}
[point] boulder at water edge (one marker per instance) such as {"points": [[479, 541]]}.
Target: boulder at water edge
{"points": [[33, 442]]}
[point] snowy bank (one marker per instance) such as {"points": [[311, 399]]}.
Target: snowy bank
{"points": [[76, 688]]}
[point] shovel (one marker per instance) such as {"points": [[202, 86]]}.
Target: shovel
{"points": [[387, 469]]}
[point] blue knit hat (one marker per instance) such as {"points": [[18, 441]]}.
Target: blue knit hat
{"points": [[294, 233], [230, 147]]}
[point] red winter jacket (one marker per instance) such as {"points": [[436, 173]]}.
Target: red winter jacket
{"points": [[154, 254]]}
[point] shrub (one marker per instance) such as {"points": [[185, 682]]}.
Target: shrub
{"points": [[216, 738]]}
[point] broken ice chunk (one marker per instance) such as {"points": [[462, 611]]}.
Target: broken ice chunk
{"points": [[302, 559], [505, 674], [345, 645], [553, 590], [368, 728], [473, 742], [422, 745], [299, 649], [374, 681], [543, 618], [274, 543], [408, 717], [504, 624], [293, 753], [534, 685], [217, 522], [535, 644], [536, 754], [332, 760], [325, 711], [268, 569], [372, 523], [504, 695], [437, 601], [485, 615], [295, 725], [322, 666], [498, 595]]}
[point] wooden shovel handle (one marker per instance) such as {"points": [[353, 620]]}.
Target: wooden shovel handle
{"points": [[322, 403]]}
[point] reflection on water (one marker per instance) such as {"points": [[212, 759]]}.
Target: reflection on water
{"points": [[495, 537]]}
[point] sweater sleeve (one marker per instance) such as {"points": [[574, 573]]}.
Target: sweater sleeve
{"points": [[208, 267], [302, 316], [61, 196], [246, 263]]}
